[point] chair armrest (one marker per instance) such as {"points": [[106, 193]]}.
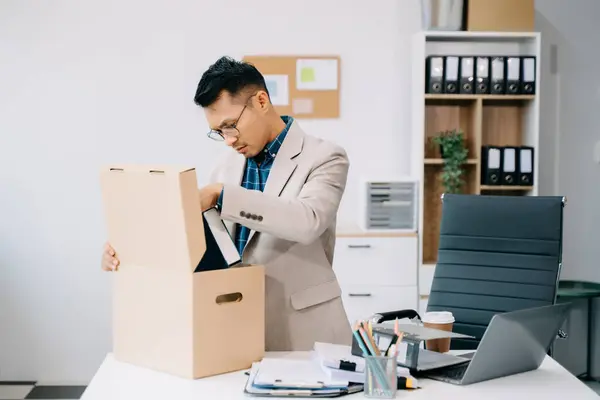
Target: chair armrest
{"points": [[392, 315], [561, 334]]}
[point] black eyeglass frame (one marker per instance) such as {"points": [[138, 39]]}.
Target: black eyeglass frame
{"points": [[219, 135]]}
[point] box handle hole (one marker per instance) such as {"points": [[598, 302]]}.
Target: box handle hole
{"points": [[229, 298]]}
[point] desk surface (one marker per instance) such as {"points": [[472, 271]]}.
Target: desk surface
{"points": [[118, 381]]}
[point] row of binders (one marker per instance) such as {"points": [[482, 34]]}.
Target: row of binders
{"points": [[507, 165], [481, 75]]}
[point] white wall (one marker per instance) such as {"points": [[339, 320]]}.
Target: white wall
{"points": [[88, 83], [570, 128]]}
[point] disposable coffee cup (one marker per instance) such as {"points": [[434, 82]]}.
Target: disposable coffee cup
{"points": [[442, 320]]}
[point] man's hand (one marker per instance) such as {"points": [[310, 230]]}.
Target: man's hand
{"points": [[110, 262], [209, 195]]}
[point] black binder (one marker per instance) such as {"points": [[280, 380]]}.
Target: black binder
{"points": [[482, 75], [510, 165], [491, 165], [528, 66], [434, 74], [513, 75], [221, 252], [498, 77], [451, 68], [467, 75], [526, 157]]}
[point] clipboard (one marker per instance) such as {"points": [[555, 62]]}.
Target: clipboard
{"points": [[251, 390]]}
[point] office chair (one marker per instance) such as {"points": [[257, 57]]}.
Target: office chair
{"points": [[496, 254]]}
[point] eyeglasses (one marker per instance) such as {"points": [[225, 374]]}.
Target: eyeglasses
{"points": [[229, 131]]}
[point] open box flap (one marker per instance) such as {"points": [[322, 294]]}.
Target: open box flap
{"points": [[153, 215]]}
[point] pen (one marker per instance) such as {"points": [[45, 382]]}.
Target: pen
{"points": [[359, 341]]}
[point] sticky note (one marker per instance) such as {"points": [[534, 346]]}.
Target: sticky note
{"points": [[307, 74], [317, 74]]}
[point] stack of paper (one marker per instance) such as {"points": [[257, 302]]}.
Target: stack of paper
{"points": [[297, 378], [339, 364]]}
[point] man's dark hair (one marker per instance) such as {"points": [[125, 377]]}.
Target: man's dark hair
{"points": [[229, 75]]}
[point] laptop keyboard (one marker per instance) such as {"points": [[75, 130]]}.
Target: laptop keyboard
{"points": [[456, 372]]}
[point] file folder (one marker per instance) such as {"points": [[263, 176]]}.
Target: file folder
{"points": [[526, 155], [528, 75], [467, 74], [451, 68], [509, 165], [513, 75], [220, 251], [498, 83], [482, 75], [434, 74], [491, 162]]}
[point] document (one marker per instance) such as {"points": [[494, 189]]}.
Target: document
{"points": [[294, 374], [278, 88], [317, 74], [253, 389]]}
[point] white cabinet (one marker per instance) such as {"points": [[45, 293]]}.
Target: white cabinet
{"points": [[377, 274], [426, 272]]}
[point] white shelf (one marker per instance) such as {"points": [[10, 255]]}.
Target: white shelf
{"points": [[462, 43]]}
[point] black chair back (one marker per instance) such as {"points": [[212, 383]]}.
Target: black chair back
{"points": [[496, 254]]}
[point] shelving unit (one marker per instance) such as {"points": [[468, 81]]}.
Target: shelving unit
{"points": [[485, 119]]}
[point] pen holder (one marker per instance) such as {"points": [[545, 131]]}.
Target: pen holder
{"points": [[381, 379]]}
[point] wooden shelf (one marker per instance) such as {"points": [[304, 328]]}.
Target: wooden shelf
{"points": [[499, 97], [484, 119], [507, 187], [440, 161]]}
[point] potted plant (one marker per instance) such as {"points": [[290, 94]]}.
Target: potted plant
{"points": [[454, 152]]}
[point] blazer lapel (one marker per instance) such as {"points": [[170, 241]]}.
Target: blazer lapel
{"points": [[284, 165]]}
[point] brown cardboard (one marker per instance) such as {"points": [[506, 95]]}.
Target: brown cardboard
{"points": [[501, 16], [165, 316]]}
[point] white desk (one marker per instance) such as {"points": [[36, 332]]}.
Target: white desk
{"points": [[119, 381]]}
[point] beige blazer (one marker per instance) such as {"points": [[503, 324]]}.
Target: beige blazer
{"points": [[293, 235]]}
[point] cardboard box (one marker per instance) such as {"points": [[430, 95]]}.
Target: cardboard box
{"points": [[166, 317], [501, 16]]}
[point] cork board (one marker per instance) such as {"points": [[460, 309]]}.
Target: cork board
{"points": [[313, 84]]}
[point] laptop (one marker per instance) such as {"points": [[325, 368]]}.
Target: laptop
{"points": [[513, 343]]}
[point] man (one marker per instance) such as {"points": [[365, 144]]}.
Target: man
{"points": [[279, 194]]}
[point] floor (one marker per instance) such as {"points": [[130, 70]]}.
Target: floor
{"points": [[29, 390]]}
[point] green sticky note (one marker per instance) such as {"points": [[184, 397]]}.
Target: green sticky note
{"points": [[307, 74]]}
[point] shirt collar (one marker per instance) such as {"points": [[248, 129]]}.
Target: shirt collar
{"points": [[273, 147]]}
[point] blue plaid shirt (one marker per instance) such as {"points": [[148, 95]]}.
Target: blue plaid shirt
{"points": [[256, 173]]}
